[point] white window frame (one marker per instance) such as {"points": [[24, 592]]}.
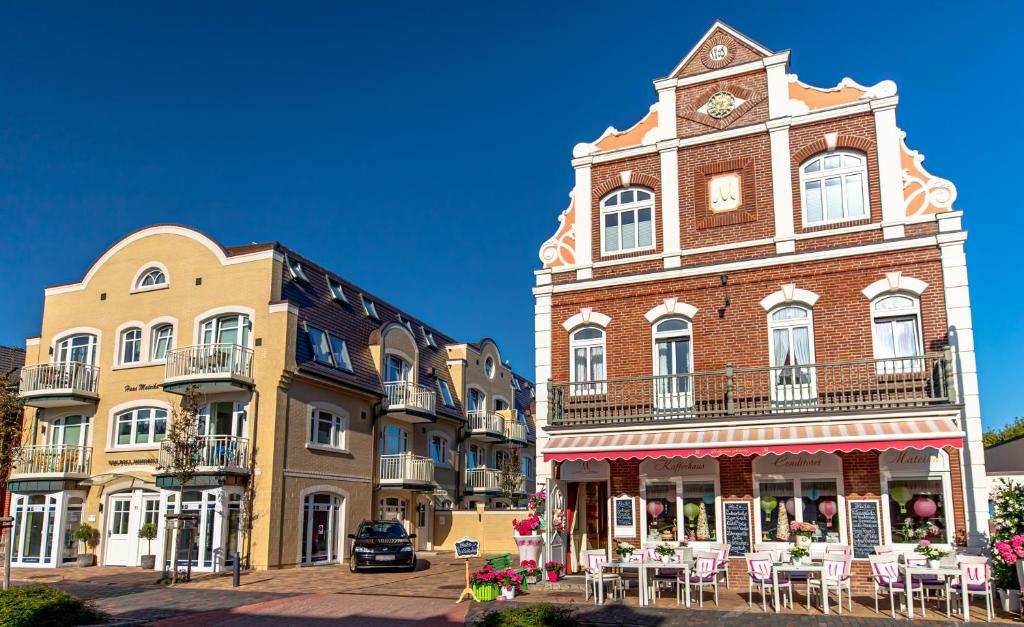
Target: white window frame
{"points": [[339, 427], [122, 341], [631, 207], [798, 513], [897, 364], [792, 391], [295, 269], [680, 482], [482, 405], [159, 279], [336, 290], [667, 398], [214, 324], [152, 443], [369, 308], [841, 174], [447, 450], [490, 369], [526, 466], [154, 335], [583, 388], [404, 437], [58, 424], [446, 393], [147, 270], [887, 475]]}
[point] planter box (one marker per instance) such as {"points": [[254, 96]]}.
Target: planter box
{"points": [[485, 592], [147, 562], [86, 559], [1009, 600]]}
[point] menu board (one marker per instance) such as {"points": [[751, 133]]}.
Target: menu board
{"points": [[737, 527], [467, 547], [864, 528], [624, 516]]}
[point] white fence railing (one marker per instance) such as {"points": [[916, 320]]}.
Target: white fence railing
{"points": [[489, 480], [53, 459], [481, 421], [212, 451], [515, 431], [61, 376], [209, 359], [408, 395], [406, 468]]}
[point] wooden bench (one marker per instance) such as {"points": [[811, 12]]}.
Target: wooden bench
{"points": [[503, 561]]}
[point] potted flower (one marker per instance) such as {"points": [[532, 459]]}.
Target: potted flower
{"points": [[485, 583], [803, 531], [625, 550], [1009, 561], [147, 532], [528, 538], [533, 572], [665, 552], [509, 582], [537, 500], [798, 552], [931, 552], [553, 569], [86, 537]]}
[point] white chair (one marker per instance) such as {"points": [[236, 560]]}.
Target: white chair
{"points": [[704, 574], [670, 574], [777, 550], [884, 549], [973, 569], [836, 575], [759, 572], [592, 575], [885, 575], [722, 550], [842, 549]]}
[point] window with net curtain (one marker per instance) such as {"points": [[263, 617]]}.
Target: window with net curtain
{"points": [[834, 187], [791, 346], [896, 322], [672, 351], [627, 219], [588, 350]]}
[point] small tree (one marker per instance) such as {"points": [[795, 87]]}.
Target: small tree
{"points": [[10, 448], [511, 475], [181, 450], [147, 532], [86, 535]]}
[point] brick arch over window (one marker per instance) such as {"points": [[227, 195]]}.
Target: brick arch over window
{"points": [[636, 179], [842, 141]]}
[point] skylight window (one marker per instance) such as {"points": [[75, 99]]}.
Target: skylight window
{"points": [[515, 383], [329, 349], [337, 293], [295, 269], [339, 350], [369, 308], [446, 394], [429, 338]]}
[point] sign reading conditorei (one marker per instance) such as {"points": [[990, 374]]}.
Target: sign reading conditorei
{"points": [[864, 528], [737, 527]]}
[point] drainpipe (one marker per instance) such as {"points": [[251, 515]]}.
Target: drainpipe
{"points": [[35, 427], [460, 472], [375, 413]]}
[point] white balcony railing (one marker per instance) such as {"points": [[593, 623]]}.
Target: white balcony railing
{"points": [[515, 431], [70, 377], [408, 395], [488, 480], [206, 361], [406, 468], [53, 460], [212, 451], [483, 422]]}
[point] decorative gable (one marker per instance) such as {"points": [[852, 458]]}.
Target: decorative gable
{"points": [[721, 46], [719, 105]]}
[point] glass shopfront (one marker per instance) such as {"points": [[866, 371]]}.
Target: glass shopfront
{"points": [[916, 496], [680, 500], [799, 488]]}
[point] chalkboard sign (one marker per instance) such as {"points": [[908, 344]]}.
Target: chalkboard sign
{"points": [[467, 548], [864, 530], [624, 516], [737, 527]]}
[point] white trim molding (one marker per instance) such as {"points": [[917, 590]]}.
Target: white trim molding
{"points": [[587, 316], [671, 306], [894, 282], [146, 267], [789, 293]]}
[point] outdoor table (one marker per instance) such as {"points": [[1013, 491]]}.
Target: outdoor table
{"points": [[942, 571], [802, 568], [641, 568]]}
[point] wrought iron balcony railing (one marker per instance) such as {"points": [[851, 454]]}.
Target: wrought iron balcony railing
{"points": [[407, 395], [857, 385], [53, 459], [71, 377], [213, 452]]}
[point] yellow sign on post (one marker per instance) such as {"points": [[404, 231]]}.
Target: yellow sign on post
{"points": [[467, 548]]}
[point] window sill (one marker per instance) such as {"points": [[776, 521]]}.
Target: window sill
{"points": [[132, 448], [150, 288], [626, 253], [141, 364], [326, 449]]}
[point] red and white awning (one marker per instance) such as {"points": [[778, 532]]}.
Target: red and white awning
{"points": [[758, 440]]}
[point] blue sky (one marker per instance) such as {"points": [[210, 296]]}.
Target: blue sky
{"points": [[325, 125]]}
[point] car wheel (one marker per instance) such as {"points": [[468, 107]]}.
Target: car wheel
{"points": [[352, 565], [411, 568]]}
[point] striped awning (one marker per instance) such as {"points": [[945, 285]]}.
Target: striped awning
{"points": [[758, 440]]}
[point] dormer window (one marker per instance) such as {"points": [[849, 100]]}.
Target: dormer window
{"points": [[369, 308], [446, 393], [428, 337], [328, 349], [337, 293], [295, 270]]}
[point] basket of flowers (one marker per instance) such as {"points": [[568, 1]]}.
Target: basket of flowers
{"points": [[625, 550], [803, 531], [509, 582], [665, 552], [533, 572], [485, 583], [931, 552]]}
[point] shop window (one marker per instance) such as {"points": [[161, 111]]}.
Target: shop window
{"points": [[800, 500], [699, 517], [917, 510], [776, 510], [820, 498], [662, 517]]}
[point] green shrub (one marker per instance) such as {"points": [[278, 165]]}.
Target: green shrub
{"points": [[541, 615], [40, 606]]}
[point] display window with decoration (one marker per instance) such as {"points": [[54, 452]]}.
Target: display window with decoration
{"points": [[801, 487], [680, 501], [916, 496]]}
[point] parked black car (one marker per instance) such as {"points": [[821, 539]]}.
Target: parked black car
{"points": [[381, 544]]}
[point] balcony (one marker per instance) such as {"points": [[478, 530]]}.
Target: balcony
{"points": [[515, 432], [52, 461], [407, 471], [59, 385], [211, 367], [489, 481], [484, 425], [869, 385], [410, 402], [215, 454]]}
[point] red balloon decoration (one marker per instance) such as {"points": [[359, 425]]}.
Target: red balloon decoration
{"points": [[828, 510], [655, 508], [925, 507]]}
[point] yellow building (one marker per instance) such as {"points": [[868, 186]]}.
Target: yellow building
{"points": [[321, 406]]}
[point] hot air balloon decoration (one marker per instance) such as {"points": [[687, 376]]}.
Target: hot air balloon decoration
{"points": [[708, 498], [791, 507], [655, 508], [925, 507], [768, 504], [828, 510], [690, 510], [902, 495]]}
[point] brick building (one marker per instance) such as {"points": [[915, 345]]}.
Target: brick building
{"points": [[756, 306]]}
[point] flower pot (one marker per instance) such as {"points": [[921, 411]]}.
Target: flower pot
{"points": [[533, 579], [665, 559], [1009, 600], [148, 562], [934, 563], [509, 592], [804, 541], [485, 592], [86, 559], [798, 561], [552, 576], [529, 547]]}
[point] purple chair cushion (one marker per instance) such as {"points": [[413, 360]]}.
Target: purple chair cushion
{"points": [[798, 576], [783, 578], [705, 579], [900, 585], [971, 587]]}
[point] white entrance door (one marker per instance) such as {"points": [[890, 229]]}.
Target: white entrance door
{"points": [[392, 508], [120, 546], [423, 516]]}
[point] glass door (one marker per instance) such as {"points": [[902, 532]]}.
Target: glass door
{"points": [[672, 364], [322, 525], [34, 519], [119, 542]]}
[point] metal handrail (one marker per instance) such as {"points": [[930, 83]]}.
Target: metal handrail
{"points": [[212, 451], [483, 421], [409, 395], [209, 359], [488, 479], [515, 431], [406, 468], [853, 385], [69, 375], [53, 458]]}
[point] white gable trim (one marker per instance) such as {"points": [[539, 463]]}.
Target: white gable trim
{"points": [[894, 282], [789, 293], [671, 306], [719, 24], [587, 316]]}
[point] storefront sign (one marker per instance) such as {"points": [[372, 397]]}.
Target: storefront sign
{"points": [[679, 466], [584, 470], [136, 461], [737, 527], [915, 461], [790, 464], [467, 547], [624, 513], [864, 527], [141, 387]]}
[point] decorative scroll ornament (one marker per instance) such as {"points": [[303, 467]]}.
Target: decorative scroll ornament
{"points": [[923, 193], [721, 104], [560, 249]]}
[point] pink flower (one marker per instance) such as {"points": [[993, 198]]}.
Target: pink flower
{"points": [[923, 543]]}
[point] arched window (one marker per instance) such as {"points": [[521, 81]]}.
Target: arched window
{"points": [[152, 277], [896, 319], [587, 352], [627, 220], [140, 426], [231, 329], [328, 429], [69, 431], [163, 341], [130, 346], [835, 187], [673, 361], [489, 367], [791, 344], [77, 349], [500, 404]]}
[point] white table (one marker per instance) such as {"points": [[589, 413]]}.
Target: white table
{"points": [[942, 571], [641, 568], [802, 568]]}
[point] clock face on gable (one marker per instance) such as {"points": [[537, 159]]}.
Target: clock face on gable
{"points": [[721, 104]]}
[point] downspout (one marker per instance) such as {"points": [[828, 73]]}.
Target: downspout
{"points": [[35, 427], [375, 413], [251, 488]]}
